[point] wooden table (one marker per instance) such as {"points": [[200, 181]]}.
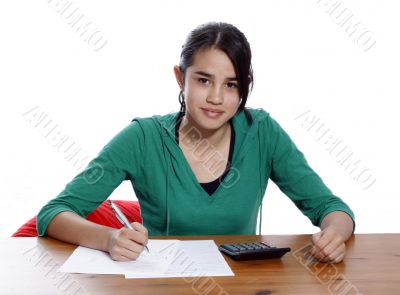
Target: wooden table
{"points": [[372, 266]]}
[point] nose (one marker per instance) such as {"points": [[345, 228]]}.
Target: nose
{"points": [[215, 95]]}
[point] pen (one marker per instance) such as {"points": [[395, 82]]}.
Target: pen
{"points": [[122, 218]]}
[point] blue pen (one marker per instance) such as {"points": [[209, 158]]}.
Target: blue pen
{"points": [[122, 218]]}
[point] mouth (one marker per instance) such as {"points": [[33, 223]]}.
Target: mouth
{"points": [[212, 110], [212, 113]]}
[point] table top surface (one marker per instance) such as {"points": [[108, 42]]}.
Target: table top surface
{"points": [[371, 266]]}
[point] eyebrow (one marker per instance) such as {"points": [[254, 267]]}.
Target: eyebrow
{"points": [[212, 76]]}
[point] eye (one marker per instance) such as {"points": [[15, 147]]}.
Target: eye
{"points": [[203, 80], [231, 85]]}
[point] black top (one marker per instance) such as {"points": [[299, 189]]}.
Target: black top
{"points": [[211, 187]]}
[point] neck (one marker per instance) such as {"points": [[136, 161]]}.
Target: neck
{"points": [[189, 130]]}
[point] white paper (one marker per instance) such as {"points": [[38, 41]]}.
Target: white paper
{"points": [[166, 258], [156, 262], [193, 259]]}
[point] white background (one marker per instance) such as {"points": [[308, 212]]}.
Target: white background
{"points": [[303, 61]]}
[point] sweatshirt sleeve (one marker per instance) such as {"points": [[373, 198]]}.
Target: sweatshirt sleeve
{"points": [[291, 172], [119, 160]]}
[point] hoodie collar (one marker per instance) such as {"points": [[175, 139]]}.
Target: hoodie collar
{"points": [[245, 132]]}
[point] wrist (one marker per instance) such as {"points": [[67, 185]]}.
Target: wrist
{"points": [[339, 222], [108, 239]]}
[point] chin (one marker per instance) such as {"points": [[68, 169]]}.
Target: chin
{"points": [[209, 123]]}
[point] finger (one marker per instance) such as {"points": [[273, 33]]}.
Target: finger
{"points": [[128, 249], [134, 235], [333, 249], [324, 240], [318, 255], [135, 241], [131, 240], [316, 237], [116, 254], [337, 254], [120, 257], [329, 241], [132, 254], [333, 244], [139, 227], [134, 245], [315, 250], [340, 258]]}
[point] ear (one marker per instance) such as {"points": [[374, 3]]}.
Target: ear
{"points": [[179, 77]]}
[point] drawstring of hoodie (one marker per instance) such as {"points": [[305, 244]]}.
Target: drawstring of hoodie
{"points": [[260, 177], [166, 191]]}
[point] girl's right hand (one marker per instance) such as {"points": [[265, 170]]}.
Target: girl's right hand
{"points": [[126, 244]]}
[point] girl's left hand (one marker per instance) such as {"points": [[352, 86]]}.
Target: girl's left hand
{"points": [[328, 245]]}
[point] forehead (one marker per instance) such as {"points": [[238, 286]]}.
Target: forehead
{"points": [[214, 61]]}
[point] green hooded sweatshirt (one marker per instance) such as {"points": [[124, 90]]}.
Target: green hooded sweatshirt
{"points": [[173, 202]]}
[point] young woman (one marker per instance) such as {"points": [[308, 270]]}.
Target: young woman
{"points": [[203, 170]]}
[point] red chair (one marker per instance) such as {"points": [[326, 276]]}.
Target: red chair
{"points": [[102, 215]]}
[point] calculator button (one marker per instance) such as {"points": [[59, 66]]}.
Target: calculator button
{"points": [[257, 246], [231, 248], [264, 245], [245, 246], [241, 247], [248, 246]]}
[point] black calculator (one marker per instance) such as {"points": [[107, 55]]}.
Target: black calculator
{"points": [[252, 251]]}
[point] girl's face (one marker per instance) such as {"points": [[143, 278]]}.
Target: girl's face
{"points": [[210, 88]]}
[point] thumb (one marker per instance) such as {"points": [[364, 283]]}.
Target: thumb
{"points": [[316, 237]]}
